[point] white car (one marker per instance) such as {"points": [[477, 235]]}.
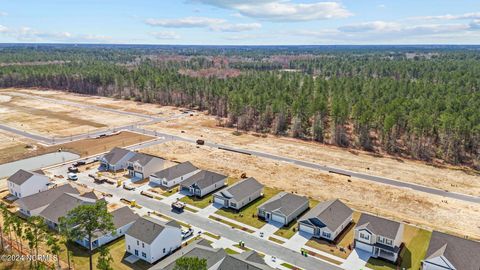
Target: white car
{"points": [[72, 176]]}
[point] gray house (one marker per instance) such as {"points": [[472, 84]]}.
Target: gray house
{"points": [[381, 237], [448, 252], [34, 204], [217, 259], [203, 183], [141, 166], [327, 220], [116, 159], [174, 175], [283, 208], [239, 194]]}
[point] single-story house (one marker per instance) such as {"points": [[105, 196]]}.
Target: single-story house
{"points": [[203, 183], [34, 204], [141, 165], [122, 219], [151, 239], [174, 175], [448, 252], [24, 183], [116, 159], [327, 220], [380, 237], [216, 259], [61, 206], [239, 194], [283, 208]]}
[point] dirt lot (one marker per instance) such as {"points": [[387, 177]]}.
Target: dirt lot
{"points": [[452, 179], [13, 147], [400, 204], [55, 119]]}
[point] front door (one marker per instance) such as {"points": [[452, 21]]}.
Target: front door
{"points": [[136, 252]]}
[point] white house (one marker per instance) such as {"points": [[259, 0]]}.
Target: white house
{"points": [[327, 220], [380, 237], [151, 239], [283, 208], [141, 166], [123, 218], [24, 183], [239, 194], [203, 183], [174, 175], [116, 159]]}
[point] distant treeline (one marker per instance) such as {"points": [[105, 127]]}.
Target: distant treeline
{"points": [[417, 102]]}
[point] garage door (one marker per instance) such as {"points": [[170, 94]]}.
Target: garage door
{"points": [[363, 246], [219, 201], [155, 180], [307, 229], [138, 175], [278, 218]]}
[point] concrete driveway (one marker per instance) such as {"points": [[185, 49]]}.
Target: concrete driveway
{"points": [[356, 260], [297, 241]]}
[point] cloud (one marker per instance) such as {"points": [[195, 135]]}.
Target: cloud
{"points": [[213, 24], [470, 15], [3, 29], [32, 35], [2, 13], [371, 26], [475, 25], [165, 35], [397, 28], [282, 10]]}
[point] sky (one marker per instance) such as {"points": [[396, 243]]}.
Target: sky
{"points": [[237, 22]]}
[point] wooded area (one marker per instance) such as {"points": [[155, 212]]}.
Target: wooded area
{"points": [[419, 102]]}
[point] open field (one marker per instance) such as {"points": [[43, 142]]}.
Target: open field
{"points": [[55, 119], [14, 147], [397, 203], [453, 179]]}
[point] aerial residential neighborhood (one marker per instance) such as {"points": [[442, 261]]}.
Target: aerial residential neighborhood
{"points": [[240, 135]]}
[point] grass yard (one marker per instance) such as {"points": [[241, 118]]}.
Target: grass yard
{"points": [[346, 239], [416, 244], [233, 225], [231, 251], [198, 202], [291, 229], [170, 192], [248, 214], [214, 236], [278, 241]]}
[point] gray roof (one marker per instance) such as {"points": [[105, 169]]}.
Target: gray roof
{"points": [[241, 189], [331, 214], [176, 171], [143, 159], [90, 195], [43, 198], [146, 229], [203, 179], [62, 205], [21, 176], [461, 253], [379, 226], [123, 216], [115, 155], [284, 203], [217, 259]]}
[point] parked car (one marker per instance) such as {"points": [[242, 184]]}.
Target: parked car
{"points": [[72, 176], [79, 163], [73, 169], [200, 142], [187, 233]]}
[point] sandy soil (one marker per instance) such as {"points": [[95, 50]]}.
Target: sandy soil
{"points": [[452, 179], [425, 210], [55, 119], [13, 147]]}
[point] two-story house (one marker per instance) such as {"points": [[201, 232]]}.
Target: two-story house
{"points": [[24, 183], [151, 239], [116, 159], [141, 166], [380, 237]]}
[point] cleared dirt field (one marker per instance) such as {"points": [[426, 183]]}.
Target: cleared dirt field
{"points": [[453, 179], [15, 147], [400, 204], [56, 119]]}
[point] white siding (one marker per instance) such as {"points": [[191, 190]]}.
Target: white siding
{"points": [[36, 184]]}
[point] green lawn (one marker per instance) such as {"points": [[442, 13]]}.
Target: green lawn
{"points": [[416, 244], [170, 192], [291, 229], [230, 251], [248, 214], [206, 200]]}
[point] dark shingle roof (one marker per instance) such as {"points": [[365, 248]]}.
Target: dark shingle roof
{"points": [[331, 214], [62, 205], [204, 179], [379, 226], [284, 203], [241, 189], [43, 198], [115, 155], [21, 176], [123, 216], [176, 171], [146, 229], [461, 253], [143, 159]]}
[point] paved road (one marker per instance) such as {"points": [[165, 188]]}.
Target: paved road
{"points": [[206, 224]]}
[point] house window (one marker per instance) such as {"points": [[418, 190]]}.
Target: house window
{"points": [[144, 254], [128, 247], [233, 204], [326, 234], [143, 245], [138, 243], [388, 242], [365, 236], [164, 250]]}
